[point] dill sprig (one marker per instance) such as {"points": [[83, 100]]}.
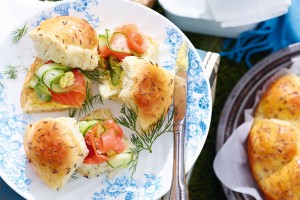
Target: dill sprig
{"points": [[94, 75], [10, 72], [18, 33], [142, 139], [87, 105]]}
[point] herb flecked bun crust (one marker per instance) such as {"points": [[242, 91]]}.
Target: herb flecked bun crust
{"points": [[67, 40], [273, 141], [55, 148], [147, 86], [30, 102]]}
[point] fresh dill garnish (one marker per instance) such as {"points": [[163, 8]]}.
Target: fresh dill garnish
{"points": [[87, 105], [10, 72], [94, 75], [18, 33], [142, 139]]}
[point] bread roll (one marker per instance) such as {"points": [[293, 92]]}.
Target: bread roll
{"points": [[274, 140], [54, 148], [108, 90], [148, 87], [67, 40], [281, 100]]}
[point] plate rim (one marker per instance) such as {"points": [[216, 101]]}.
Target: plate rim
{"points": [[191, 46]]}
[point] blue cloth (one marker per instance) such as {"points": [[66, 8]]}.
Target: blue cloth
{"points": [[269, 36]]}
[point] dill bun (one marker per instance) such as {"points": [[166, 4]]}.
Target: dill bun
{"points": [[274, 140], [55, 148], [67, 40], [147, 86]]}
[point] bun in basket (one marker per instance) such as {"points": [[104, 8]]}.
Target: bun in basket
{"points": [[274, 140], [67, 40], [55, 148]]}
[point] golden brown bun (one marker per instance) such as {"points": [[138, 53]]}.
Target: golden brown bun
{"points": [[55, 148], [274, 140], [67, 40], [30, 102], [281, 100], [148, 87]]}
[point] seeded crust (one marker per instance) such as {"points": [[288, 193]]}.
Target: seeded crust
{"points": [[54, 148], [30, 102], [273, 142], [147, 86], [67, 40]]}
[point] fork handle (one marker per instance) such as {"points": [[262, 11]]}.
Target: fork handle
{"points": [[179, 190]]}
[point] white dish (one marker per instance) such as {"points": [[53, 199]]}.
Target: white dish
{"points": [[187, 20], [154, 172]]}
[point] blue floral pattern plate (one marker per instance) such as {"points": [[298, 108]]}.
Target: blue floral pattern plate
{"points": [[154, 171]]}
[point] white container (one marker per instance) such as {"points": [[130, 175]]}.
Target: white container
{"points": [[187, 20]]}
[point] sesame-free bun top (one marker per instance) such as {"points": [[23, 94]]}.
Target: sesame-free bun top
{"points": [[54, 148], [67, 40]]}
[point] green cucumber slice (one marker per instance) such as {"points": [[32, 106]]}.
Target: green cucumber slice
{"points": [[115, 69], [102, 41], [43, 69], [52, 76], [120, 160], [42, 92], [117, 42], [84, 126], [32, 83], [114, 61]]}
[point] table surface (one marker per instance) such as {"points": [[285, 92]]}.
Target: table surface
{"points": [[203, 183]]}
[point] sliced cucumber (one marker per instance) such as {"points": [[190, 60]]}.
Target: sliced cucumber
{"points": [[102, 41], [115, 69], [42, 92], [115, 76], [56, 88], [117, 42], [84, 126], [114, 61], [120, 160], [52, 76], [32, 83], [43, 69]]}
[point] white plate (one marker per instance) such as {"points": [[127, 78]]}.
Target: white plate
{"points": [[154, 172]]}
